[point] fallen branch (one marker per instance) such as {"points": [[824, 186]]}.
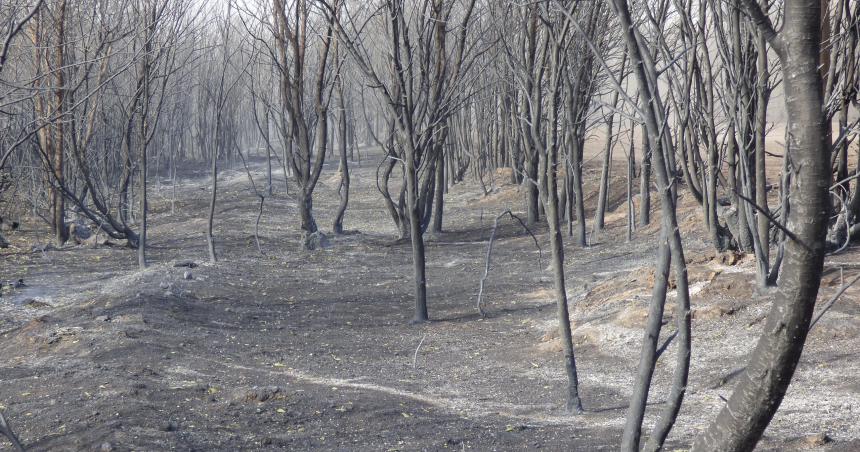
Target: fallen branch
{"points": [[490, 252]]}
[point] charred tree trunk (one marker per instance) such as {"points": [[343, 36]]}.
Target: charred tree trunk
{"points": [[603, 193], [662, 149], [439, 194], [579, 198], [210, 238], [417, 236], [760, 390], [343, 166], [645, 180]]}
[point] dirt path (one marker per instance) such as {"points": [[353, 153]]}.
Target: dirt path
{"points": [[313, 350]]}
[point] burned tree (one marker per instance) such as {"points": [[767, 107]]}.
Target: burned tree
{"points": [[297, 29], [420, 82], [766, 377]]}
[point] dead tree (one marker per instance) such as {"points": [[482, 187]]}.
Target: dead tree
{"points": [[294, 29], [605, 174], [16, 26], [545, 107], [220, 92], [428, 57], [654, 115], [342, 144], [50, 47], [757, 396], [161, 27]]}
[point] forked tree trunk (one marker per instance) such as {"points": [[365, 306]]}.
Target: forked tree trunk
{"points": [[713, 167], [662, 149], [761, 388], [306, 206], [648, 355]]}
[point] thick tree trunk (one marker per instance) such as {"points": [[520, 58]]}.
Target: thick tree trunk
{"points": [[744, 239], [762, 386], [306, 204], [417, 237], [61, 232], [549, 195]]}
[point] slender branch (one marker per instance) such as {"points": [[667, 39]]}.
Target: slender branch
{"points": [[773, 220], [832, 300], [490, 252]]}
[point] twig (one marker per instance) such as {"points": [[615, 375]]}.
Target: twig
{"points": [[832, 300], [6, 431], [415, 356], [490, 252]]}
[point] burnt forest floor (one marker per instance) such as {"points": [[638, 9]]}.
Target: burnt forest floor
{"points": [[313, 350]]}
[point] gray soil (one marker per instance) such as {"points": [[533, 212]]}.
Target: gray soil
{"points": [[313, 350]]}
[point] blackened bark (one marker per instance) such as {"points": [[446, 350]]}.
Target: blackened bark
{"points": [[762, 386], [439, 194], [645, 180]]}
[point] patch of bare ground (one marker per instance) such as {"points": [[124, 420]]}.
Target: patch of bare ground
{"points": [[312, 350]]}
